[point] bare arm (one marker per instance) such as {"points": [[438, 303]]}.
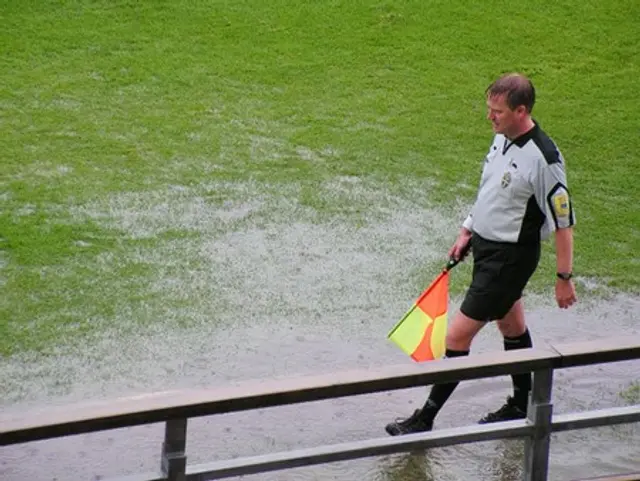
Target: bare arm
{"points": [[564, 249], [565, 290]]}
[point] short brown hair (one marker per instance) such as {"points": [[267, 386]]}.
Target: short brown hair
{"points": [[518, 90]]}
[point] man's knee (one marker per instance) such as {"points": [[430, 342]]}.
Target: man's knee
{"points": [[462, 331]]}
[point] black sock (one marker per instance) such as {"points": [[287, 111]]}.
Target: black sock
{"points": [[521, 382], [440, 392]]}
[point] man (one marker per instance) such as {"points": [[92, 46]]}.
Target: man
{"points": [[522, 198]]}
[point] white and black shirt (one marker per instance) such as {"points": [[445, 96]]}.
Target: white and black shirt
{"points": [[523, 194]]}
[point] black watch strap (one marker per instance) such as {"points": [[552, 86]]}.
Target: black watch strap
{"points": [[565, 276]]}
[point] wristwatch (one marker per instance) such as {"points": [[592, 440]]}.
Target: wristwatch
{"points": [[565, 276]]}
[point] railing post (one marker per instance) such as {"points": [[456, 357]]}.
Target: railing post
{"points": [[536, 455], [174, 459]]}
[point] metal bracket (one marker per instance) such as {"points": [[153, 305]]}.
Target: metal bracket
{"points": [[174, 458], [539, 413]]}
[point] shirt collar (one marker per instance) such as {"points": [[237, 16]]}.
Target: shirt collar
{"points": [[528, 135]]}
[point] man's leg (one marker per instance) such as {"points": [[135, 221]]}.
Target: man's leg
{"points": [[460, 334], [459, 337], [516, 336]]}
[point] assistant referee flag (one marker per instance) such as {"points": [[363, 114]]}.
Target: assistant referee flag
{"points": [[421, 332]]}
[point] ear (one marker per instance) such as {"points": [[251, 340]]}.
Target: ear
{"points": [[521, 110]]}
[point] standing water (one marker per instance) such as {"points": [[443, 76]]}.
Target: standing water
{"points": [[269, 297]]}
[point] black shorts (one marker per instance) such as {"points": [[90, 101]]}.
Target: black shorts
{"points": [[500, 273]]}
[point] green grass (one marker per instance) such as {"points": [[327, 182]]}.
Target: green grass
{"points": [[103, 98]]}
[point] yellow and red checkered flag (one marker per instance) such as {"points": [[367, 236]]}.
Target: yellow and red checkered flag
{"points": [[421, 332]]}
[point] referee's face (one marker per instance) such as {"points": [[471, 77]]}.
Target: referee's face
{"points": [[503, 119]]}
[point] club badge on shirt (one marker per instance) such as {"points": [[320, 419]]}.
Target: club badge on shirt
{"points": [[506, 180]]}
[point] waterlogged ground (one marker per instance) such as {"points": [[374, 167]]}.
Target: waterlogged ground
{"points": [[264, 286]]}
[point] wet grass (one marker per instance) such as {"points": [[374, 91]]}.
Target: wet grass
{"points": [[631, 395], [282, 99]]}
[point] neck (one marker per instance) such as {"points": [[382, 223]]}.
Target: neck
{"points": [[522, 129]]}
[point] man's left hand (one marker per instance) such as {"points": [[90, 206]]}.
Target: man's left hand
{"points": [[565, 293]]}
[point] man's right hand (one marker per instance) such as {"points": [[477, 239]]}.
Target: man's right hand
{"points": [[459, 249]]}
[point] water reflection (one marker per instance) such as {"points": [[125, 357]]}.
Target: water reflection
{"points": [[501, 460], [414, 466], [509, 461]]}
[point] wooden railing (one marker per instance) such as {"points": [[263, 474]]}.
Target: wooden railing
{"points": [[175, 408]]}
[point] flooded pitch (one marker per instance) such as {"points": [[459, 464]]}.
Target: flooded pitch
{"points": [[269, 290]]}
